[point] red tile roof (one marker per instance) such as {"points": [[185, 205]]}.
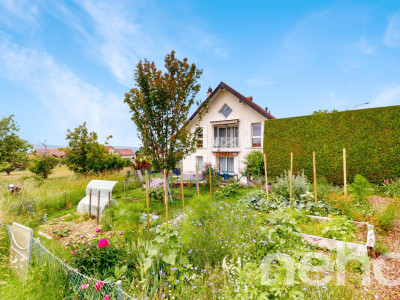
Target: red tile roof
{"points": [[51, 152], [125, 152], [247, 100]]}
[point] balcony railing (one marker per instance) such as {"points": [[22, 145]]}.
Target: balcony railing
{"points": [[226, 142]]}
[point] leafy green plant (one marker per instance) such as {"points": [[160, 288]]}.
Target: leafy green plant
{"points": [[360, 188], [118, 273], [300, 185], [229, 190], [157, 193], [340, 228], [254, 163], [392, 187]]}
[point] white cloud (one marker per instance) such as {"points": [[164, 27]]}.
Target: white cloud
{"points": [[392, 34], [69, 100], [259, 82], [364, 47], [22, 9], [387, 97]]}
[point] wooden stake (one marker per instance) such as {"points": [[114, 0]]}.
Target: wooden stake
{"points": [[90, 204], [109, 199], [166, 194], [344, 172], [65, 199], [266, 176], [209, 167], [291, 176], [98, 208], [197, 181], [148, 205], [315, 177], [183, 193]]}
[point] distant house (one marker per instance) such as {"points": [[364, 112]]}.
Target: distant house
{"points": [[50, 152], [124, 153], [232, 126]]}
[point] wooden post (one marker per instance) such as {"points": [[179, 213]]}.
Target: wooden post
{"points": [[90, 204], [248, 176], [197, 181], [190, 187], [183, 193], [344, 172], [210, 183], [172, 183], [148, 205], [98, 208], [109, 199], [315, 177], [65, 199], [124, 189], [266, 176], [291, 176], [166, 194]]}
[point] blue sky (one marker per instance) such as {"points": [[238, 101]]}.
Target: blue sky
{"points": [[66, 62]]}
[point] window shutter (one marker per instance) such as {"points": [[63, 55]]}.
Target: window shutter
{"points": [[247, 135], [205, 137]]}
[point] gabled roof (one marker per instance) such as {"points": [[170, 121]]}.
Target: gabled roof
{"points": [[125, 152], [51, 152], [247, 100]]}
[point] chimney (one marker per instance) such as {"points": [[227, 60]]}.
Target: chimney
{"points": [[209, 92]]}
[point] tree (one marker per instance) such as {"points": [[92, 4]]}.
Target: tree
{"points": [[43, 165], [160, 104], [84, 153], [13, 149], [254, 162]]}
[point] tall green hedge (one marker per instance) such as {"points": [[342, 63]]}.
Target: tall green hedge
{"points": [[371, 138]]}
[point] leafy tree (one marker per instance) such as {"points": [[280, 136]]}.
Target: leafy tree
{"points": [[43, 165], [160, 103], [13, 149], [84, 154]]}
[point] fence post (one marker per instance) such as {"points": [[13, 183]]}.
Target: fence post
{"points": [[166, 194], [109, 199], [148, 206], [210, 183], [266, 175], [90, 204], [98, 208], [315, 177], [197, 181], [291, 177], [119, 290], [182, 191]]}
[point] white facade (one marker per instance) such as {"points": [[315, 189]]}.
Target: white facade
{"points": [[228, 138]]}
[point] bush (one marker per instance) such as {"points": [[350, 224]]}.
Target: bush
{"points": [[300, 185], [360, 188], [254, 162], [392, 187], [229, 190]]}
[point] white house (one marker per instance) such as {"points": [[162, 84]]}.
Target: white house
{"points": [[231, 127]]}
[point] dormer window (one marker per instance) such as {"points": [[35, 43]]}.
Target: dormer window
{"points": [[225, 111]]}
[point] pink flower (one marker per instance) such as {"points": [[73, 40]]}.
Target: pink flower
{"points": [[84, 286], [103, 243], [106, 298], [98, 286], [121, 233], [98, 230], [81, 236], [73, 252]]}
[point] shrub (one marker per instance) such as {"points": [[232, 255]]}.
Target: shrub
{"points": [[157, 193], [254, 162], [300, 185], [392, 187], [360, 188], [229, 190]]}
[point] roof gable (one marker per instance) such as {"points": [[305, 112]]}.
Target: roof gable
{"points": [[247, 100]]}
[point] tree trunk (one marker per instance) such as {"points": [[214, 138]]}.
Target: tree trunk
{"points": [[8, 172]]}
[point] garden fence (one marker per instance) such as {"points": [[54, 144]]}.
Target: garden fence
{"points": [[85, 286]]}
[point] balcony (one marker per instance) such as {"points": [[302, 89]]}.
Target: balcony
{"points": [[226, 143]]}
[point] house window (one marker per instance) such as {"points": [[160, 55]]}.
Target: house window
{"points": [[256, 135], [199, 162], [200, 137], [226, 164], [225, 111]]}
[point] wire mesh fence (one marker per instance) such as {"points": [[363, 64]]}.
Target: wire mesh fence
{"points": [[79, 284]]}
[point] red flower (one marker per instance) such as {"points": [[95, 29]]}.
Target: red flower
{"points": [[103, 243], [99, 285]]}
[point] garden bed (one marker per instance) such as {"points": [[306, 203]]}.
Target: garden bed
{"points": [[361, 240]]}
